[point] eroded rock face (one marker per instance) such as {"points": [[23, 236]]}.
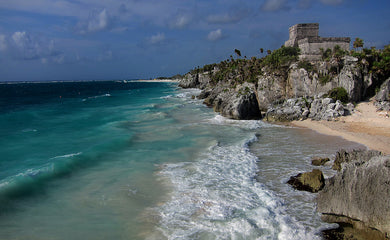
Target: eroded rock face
{"points": [[241, 104], [326, 109], [358, 156], [275, 86], [289, 110], [384, 92], [238, 103], [302, 108], [270, 88], [199, 80], [360, 194], [309, 181]]}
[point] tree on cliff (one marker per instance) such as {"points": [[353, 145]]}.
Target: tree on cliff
{"points": [[238, 52], [358, 43]]}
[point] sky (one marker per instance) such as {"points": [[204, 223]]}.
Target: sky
{"points": [[143, 39]]}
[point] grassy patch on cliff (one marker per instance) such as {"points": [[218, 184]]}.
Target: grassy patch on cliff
{"points": [[339, 93]]}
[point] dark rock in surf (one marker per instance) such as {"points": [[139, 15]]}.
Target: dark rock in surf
{"points": [[318, 161], [309, 181]]}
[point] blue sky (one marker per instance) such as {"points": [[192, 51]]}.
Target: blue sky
{"points": [[128, 39]]}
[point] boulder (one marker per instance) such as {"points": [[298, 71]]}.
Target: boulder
{"points": [[326, 109], [359, 194], [309, 181], [289, 110], [318, 161]]}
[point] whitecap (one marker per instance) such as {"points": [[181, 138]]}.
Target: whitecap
{"points": [[67, 155], [218, 197], [29, 130]]}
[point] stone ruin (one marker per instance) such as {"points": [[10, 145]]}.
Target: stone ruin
{"points": [[305, 36]]}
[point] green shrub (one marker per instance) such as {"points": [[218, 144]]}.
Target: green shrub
{"points": [[324, 79], [281, 57], [327, 54], [306, 65], [339, 93]]}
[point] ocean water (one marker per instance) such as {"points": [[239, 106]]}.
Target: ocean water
{"points": [[136, 160]]}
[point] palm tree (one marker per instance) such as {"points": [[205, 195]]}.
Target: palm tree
{"points": [[358, 43], [238, 52]]}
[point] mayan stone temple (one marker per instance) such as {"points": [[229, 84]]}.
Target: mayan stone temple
{"points": [[305, 36]]}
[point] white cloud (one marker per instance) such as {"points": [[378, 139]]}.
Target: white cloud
{"points": [[180, 21], [26, 46], [97, 21], [274, 5], [158, 38], [3, 43], [215, 35], [20, 39]]}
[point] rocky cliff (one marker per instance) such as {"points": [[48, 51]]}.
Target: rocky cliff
{"points": [[359, 194], [270, 90]]}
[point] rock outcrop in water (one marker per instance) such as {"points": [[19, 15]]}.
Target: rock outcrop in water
{"points": [[359, 194], [309, 181], [319, 161]]}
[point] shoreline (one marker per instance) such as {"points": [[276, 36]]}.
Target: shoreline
{"points": [[366, 126], [157, 80]]}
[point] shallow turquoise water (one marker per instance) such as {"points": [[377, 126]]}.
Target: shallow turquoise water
{"points": [[113, 160]]}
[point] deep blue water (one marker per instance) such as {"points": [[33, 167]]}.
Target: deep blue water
{"points": [[137, 160]]}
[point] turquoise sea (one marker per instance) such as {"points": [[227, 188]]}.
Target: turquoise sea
{"points": [[142, 160]]}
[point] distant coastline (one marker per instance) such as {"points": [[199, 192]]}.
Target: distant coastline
{"points": [[156, 80]]}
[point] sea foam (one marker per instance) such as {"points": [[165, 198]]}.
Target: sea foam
{"points": [[218, 197]]}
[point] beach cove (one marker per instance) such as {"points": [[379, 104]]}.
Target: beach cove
{"points": [[366, 125]]}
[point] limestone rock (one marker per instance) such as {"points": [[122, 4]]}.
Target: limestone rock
{"points": [[309, 181], [289, 110], [326, 109], [240, 104], [359, 194], [199, 80], [318, 161], [359, 156], [384, 92], [270, 88]]}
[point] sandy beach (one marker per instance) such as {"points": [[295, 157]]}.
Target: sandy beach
{"points": [[366, 126]]}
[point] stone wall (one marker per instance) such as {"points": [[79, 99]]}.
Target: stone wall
{"points": [[305, 36], [311, 47], [300, 31]]}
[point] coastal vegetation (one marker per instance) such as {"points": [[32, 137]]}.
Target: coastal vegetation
{"points": [[239, 70]]}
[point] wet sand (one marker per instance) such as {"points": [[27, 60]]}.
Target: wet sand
{"points": [[366, 126]]}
